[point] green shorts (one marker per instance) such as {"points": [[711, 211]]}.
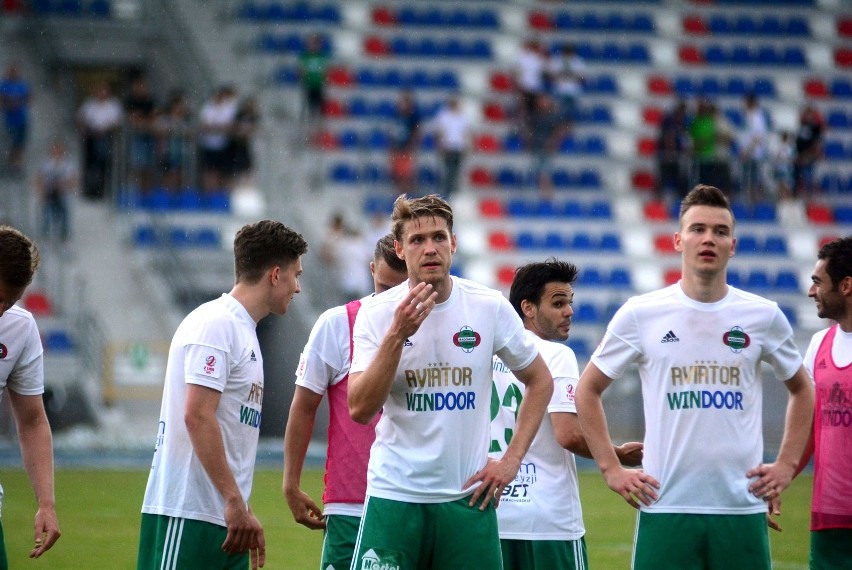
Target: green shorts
{"points": [[4, 561], [831, 549], [526, 554], [421, 536], [679, 541], [338, 544], [169, 543]]}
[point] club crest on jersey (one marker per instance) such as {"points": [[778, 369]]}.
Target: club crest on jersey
{"points": [[467, 339], [4, 352], [737, 339]]}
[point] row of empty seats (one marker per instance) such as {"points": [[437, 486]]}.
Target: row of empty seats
{"points": [[72, 8], [347, 174], [508, 177], [746, 24], [742, 54], [564, 20], [447, 47], [179, 237], [385, 78], [290, 12], [189, 199], [434, 16]]}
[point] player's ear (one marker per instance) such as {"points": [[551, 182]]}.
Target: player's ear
{"points": [[528, 308], [678, 243]]}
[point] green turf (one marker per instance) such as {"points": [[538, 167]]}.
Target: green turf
{"points": [[99, 517]]}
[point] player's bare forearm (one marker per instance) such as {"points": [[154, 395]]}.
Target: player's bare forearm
{"points": [[297, 436], [36, 442], [590, 412], [368, 390]]}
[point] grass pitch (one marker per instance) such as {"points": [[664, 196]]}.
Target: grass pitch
{"points": [[99, 517]]}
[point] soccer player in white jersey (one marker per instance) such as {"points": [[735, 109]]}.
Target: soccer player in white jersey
{"points": [[423, 358], [699, 344], [22, 377], [540, 519], [196, 511], [324, 369], [829, 362]]}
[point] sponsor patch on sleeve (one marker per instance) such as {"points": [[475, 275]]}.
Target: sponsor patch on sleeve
{"points": [[208, 365]]}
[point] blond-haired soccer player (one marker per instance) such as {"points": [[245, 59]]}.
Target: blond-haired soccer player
{"points": [[423, 357]]}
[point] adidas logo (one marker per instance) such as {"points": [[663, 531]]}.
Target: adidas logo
{"points": [[821, 364], [407, 343], [670, 337], [253, 357]]}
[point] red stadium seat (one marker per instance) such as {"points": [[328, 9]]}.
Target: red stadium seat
{"points": [[491, 208], [326, 140], [671, 276], [480, 176], [690, 55], [501, 81], [339, 76], [819, 214], [659, 85], [486, 143], [646, 146], [843, 57], [38, 303], [505, 275], [652, 116], [827, 239], [499, 241], [494, 111], [383, 16], [376, 46], [333, 108], [656, 211], [816, 88], [693, 24], [844, 27], [644, 180], [540, 21], [663, 243]]}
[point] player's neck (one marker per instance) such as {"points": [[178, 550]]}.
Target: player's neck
{"points": [[255, 304], [704, 289]]}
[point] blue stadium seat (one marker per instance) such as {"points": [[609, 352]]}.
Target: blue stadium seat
{"points": [[590, 277], [838, 119], [344, 174], [793, 55], [786, 281], [554, 240], [590, 179], [841, 87], [545, 209], [582, 242], [610, 243], [790, 313], [757, 280], [586, 313], [572, 209], [620, 278], [600, 210], [561, 178], [734, 278], [526, 240], [775, 245], [205, 237], [58, 341], [145, 236], [747, 245]]}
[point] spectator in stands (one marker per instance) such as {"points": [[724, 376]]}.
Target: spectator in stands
{"points": [[452, 129], [216, 122], [567, 73], [808, 151], [140, 110], [15, 95], [173, 128], [529, 78], [753, 147], [22, 378], [781, 157], [828, 360], [346, 255], [406, 138], [672, 150], [98, 119], [547, 129], [692, 494], [324, 370], [710, 139], [55, 182], [245, 127], [313, 65], [196, 511]]}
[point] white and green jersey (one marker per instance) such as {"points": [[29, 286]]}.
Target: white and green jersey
{"points": [[434, 431], [543, 502], [699, 364], [215, 346], [21, 356]]}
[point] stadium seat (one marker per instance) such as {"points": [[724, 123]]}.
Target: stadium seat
{"points": [[58, 341], [786, 281], [586, 313], [500, 241], [38, 303]]}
